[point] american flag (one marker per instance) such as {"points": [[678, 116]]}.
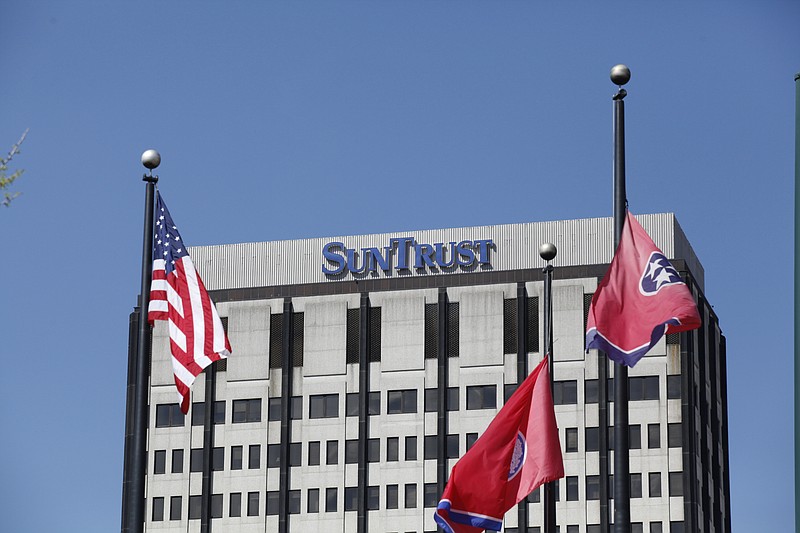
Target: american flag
{"points": [[177, 295]]}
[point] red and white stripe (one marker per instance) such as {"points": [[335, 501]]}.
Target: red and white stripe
{"points": [[196, 336]]}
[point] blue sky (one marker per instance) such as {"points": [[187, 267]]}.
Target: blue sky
{"points": [[298, 119]]}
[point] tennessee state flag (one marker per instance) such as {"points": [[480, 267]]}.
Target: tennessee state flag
{"points": [[518, 452], [641, 298]]}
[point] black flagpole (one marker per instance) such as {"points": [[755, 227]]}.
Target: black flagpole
{"points": [[797, 298], [548, 253], [136, 463], [620, 75]]}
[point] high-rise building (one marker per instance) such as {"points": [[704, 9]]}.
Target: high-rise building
{"points": [[364, 366]]}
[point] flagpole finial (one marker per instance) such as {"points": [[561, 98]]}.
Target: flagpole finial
{"points": [[547, 251], [620, 74], [151, 159]]}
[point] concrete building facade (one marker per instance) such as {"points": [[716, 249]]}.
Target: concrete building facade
{"points": [[364, 366]]}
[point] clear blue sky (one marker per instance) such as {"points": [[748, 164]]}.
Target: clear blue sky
{"points": [[299, 119]]}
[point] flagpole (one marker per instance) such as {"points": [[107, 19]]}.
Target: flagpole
{"points": [[620, 75], [548, 252], [797, 300], [137, 462]]}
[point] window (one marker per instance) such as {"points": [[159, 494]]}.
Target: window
{"points": [[593, 528], [575, 529], [392, 449], [636, 485], [592, 487], [312, 505], [452, 446], [676, 527], [350, 457], [635, 437], [676, 483], [432, 399], [411, 495], [169, 416], [274, 409], [330, 500], [273, 455], [643, 388], [637, 527], [373, 498], [177, 461], [535, 496], [391, 496], [351, 498], [592, 439], [508, 391], [572, 488], [481, 397], [218, 459], [655, 527], [411, 448], [673, 391], [254, 458], [351, 404], [175, 510], [565, 392], [196, 460], [556, 490], [296, 454], [294, 501], [373, 450], [235, 505], [571, 440], [160, 461], [401, 401], [273, 502], [654, 482], [472, 438], [236, 457], [430, 450], [674, 435], [158, 509], [323, 406], [430, 495], [313, 453], [216, 506], [374, 402], [199, 413], [332, 452], [252, 504], [590, 390], [653, 436], [246, 411]]}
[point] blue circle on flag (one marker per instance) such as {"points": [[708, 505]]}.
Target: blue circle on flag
{"points": [[518, 456]]}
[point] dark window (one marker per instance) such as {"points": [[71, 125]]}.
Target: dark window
{"points": [[351, 404], [593, 528], [332, 452], [575, 529], [330, 500], [431, 331], [296, 408], [472, 438], [635, 437], [535, 496], [391, 496], [323, 406], [177, 461], [653, 436], [592, 439], [373, 498], [637, 527], [636, 485], [654, 482], [452, 446], [392, 448], [199, 413], [158, 509], [374, 450], [216, 506], [312, 505], [169, 416], [160, 461], [236, 457], [375, 403], [235, 507], [218, 459], [655, 527], [401, 401], [430, 447], [294, 501], [274, 409], [643, 388], [610, 437], [571, 440], [273, 502], [591, 394], [246, 411], [296, 454], [430, 495], [556, 490], [676, 483], [350, 455], [508, 391], [195, 507], [481, 397], [351, 498], [674, 435], [196, 460], [273, 455], [252, 504], [431, 400], [592, 487], [673, 389], [411, 496], [676, 527], [254, 459], [313, 453], [565, 392], [572, 488], [411, 448], [175, 505]]}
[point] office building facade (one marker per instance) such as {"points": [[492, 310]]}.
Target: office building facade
{"points": [[364, 366]]}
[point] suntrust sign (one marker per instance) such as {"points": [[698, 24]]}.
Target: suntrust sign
{"points": [[405, 253]]}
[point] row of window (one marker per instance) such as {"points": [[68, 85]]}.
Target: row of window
{"points": [[636, 527], [592, 437]]}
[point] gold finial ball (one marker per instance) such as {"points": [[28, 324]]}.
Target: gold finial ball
{"points": [[547, 251], [151, 159], [620, 74]]}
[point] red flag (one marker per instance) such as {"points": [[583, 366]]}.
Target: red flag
{"points": [[177, 295], [641, 298], [518, 452]]}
